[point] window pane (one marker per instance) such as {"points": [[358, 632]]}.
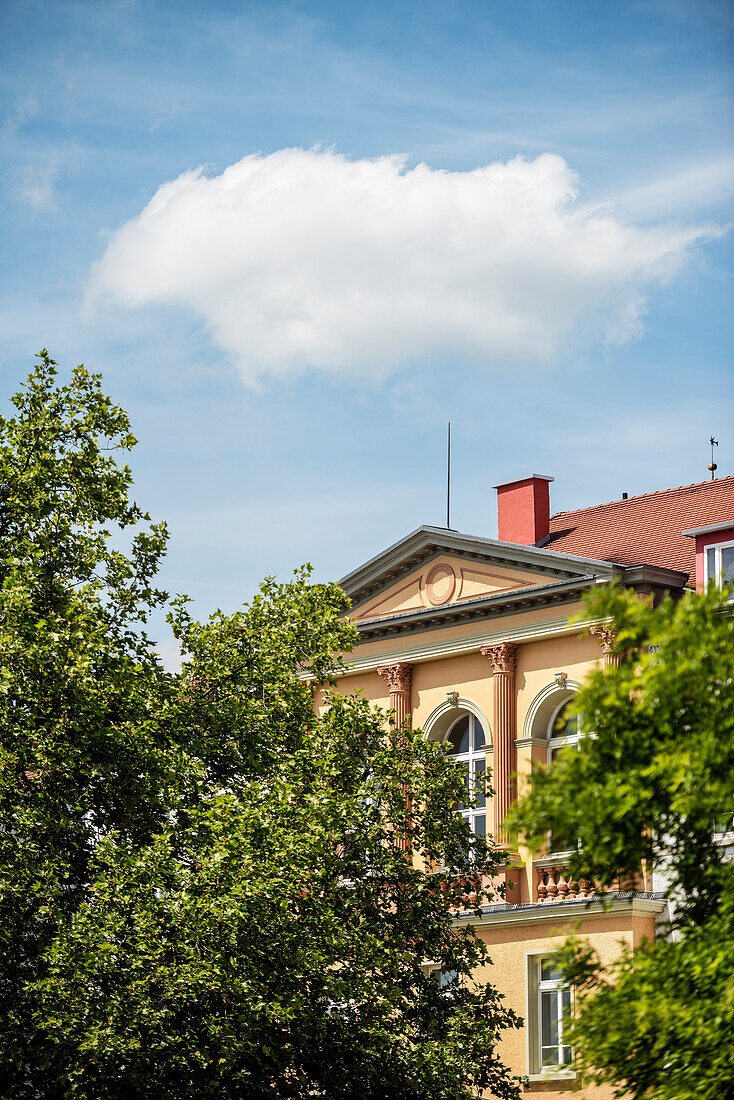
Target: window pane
{"points": [[565, 725], [459, 736], [479, 767], [448, 979], [465, 768], [480, 825], [549, 1027], [478, 735], [727, 565], [550, 971], [711, 563]]}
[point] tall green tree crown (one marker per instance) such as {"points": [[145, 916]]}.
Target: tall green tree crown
{"points": [[652, 784], [205, 886]]}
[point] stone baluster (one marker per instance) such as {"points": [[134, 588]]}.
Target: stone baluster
{"points": [[542, 888], [563, 884], [502, 658]]}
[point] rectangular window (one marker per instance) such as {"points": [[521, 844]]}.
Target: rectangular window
{"points": [[549, 1010], [720, 564], [554, 1006]]}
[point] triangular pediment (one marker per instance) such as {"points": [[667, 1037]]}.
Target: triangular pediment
{"points": [[446, 580], [433, 568]]}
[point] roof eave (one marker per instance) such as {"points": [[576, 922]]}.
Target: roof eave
{"points": [[483, 607]]}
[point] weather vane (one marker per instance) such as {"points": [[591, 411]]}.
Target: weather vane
{"points": [[712, 465]]}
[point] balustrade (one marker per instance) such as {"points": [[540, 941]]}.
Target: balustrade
{"points": [[555, 883]]}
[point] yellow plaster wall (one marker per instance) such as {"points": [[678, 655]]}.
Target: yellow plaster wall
{"points": [[508, 945], [469, 675]]}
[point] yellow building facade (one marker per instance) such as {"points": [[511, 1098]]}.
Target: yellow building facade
{"points": [[475, 640]]}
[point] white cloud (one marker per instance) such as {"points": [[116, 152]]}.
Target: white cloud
{"points": [[306, 259]]}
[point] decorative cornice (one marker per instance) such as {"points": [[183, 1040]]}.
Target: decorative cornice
{"points": [[453, 647], [492, 606], [531, 742], [502, 657], [398, 676]]}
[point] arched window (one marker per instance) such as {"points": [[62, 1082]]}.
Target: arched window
{"points": [[466, 744], [564, 730]]}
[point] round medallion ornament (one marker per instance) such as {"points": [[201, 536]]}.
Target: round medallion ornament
{"points": [[440, 584]]}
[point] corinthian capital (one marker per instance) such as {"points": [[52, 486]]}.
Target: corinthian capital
{"points": [[607, 637], [398, 677], [501, 656]]}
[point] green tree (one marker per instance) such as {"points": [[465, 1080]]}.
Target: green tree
{"points": [[81, 751], [205, 886], [654, 783]]}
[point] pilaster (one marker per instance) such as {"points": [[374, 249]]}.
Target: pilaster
{"points": [[502, 658], [399, 679]]}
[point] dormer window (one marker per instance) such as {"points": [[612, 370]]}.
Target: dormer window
{"points": [[719, 564], [714, 554]]}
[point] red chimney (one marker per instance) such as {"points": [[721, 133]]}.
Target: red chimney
{"points": [[523, 509]]}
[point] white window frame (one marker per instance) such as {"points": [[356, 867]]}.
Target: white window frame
{"points": [[469, 758], [445, 979], [534, 988], [718, 576]]}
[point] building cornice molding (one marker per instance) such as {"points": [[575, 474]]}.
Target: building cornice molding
{"points": [[453, 647], [587, 909], [516, 601], [531, 742], [494, 605]]}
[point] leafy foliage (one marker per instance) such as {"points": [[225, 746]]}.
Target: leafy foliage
{"points": [[205, 887], [658, 1022], [81, 746], [654, 783]]}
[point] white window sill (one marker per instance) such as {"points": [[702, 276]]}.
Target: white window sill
{"points": [[553, 1075]]}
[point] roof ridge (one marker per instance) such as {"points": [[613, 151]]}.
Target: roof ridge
{"points": [[641, 496]]}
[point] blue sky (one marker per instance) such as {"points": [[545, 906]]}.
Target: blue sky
{"points": [[290, 338]]}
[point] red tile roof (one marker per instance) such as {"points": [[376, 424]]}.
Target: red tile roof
{"points": [[646, 530]]}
